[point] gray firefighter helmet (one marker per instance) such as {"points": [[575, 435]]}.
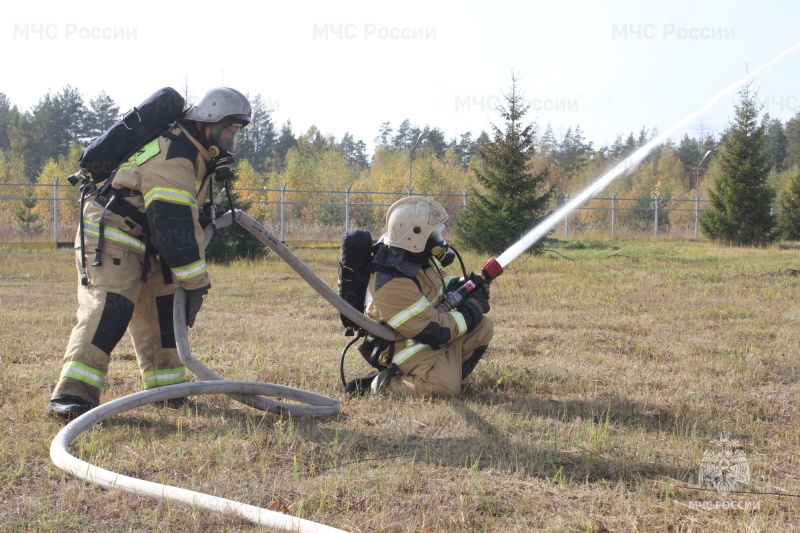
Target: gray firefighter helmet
{"points": [[220, 103]]}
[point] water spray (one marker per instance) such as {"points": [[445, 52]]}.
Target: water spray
{"points": [[624, 166], [494, 267]]}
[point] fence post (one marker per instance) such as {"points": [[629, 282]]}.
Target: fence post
{"points": [[408, 191], [566, 218], [696, 211], [613, 214], [464, 194], [655, 216], [347, 208], [283, 212], [55, 210]]}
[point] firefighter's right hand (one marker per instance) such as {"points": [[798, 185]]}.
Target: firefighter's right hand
{"points": [[480, 298], [194, 301]]}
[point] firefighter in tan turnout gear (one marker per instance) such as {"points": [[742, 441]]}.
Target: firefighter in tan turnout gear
{"points": [[406, 284], [142, 235]]}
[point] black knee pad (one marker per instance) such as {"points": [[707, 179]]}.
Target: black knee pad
{"points": [[117, 313], [165, 323], [469, 365]]}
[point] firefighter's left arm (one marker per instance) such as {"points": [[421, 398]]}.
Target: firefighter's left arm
{"points": [[170, 190]]}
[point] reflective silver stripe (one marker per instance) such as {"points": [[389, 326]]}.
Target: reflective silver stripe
{"points": [[408, 313], [190, 271], [113, 234], [411, 348], [164, 377], [461, 324], [84, 373]]}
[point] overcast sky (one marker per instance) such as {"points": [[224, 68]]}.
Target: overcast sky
{"points": [[611, 67]]}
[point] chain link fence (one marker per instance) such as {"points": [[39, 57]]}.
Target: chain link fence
{"points": [[48, 213]]}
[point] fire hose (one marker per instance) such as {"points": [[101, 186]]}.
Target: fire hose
{"points": [[248, 392]]}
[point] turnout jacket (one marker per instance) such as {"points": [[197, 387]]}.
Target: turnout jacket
{"points": [[166, 181], [404, 297]]}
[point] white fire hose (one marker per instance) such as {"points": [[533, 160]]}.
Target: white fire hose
{"points": [[106, 478], [249, 392]]}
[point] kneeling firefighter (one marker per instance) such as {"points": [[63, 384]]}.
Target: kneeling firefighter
{"points": [[442, 347], [143, 227]]}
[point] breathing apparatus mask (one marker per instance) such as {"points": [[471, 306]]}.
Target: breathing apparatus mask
{"points": [[224, 136], [440, 249]]}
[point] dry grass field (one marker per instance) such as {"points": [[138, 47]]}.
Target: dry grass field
{"points": [[614, 367]]}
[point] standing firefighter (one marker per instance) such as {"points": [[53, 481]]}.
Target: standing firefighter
{"points": [[405, 287], [145, 233]]}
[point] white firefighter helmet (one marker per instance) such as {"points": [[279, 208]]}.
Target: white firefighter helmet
{"points": [[410, 221], [220, 103]]}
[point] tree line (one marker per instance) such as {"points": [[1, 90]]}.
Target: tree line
{"points": [[46, 140]]}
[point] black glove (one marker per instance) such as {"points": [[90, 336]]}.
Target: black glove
{"points": [[455, 284], [480, 297], [479, 282], [204, 217], [194, 301], [472, 315], [371, 350]]}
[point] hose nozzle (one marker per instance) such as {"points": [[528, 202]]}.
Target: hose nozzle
{"points": [[491, 269]]}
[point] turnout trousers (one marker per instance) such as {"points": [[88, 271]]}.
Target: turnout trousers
{"points": [[429, 372], [115, 300]]}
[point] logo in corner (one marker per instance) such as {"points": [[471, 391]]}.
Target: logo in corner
{"points": [[724, 467]]}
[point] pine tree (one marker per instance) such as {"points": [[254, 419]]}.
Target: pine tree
{"points": [[739, 193], [5, 120], [774, 142], [102, 114], [788, 216], [792, 132], [257, 141], [286, 141], [516, 197]]}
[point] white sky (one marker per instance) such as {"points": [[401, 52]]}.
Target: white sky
{"points": [[440, 63]]}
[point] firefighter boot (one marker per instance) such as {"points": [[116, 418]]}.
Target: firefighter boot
{"points": [[360, 386], [68, 407]]}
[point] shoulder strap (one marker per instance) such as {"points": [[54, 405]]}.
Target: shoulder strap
{"points": [[394, 272]]}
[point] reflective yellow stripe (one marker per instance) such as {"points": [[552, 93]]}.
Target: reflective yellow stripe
{"points": [[190, 271], [113, 234], [128, 164], [408, 313], [461, 324], [175, 196], [158, 378], [411, 348], [84, 373]]}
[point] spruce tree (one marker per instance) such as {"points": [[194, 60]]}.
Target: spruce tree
{"points": [[516, 197], [739, 193]]}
